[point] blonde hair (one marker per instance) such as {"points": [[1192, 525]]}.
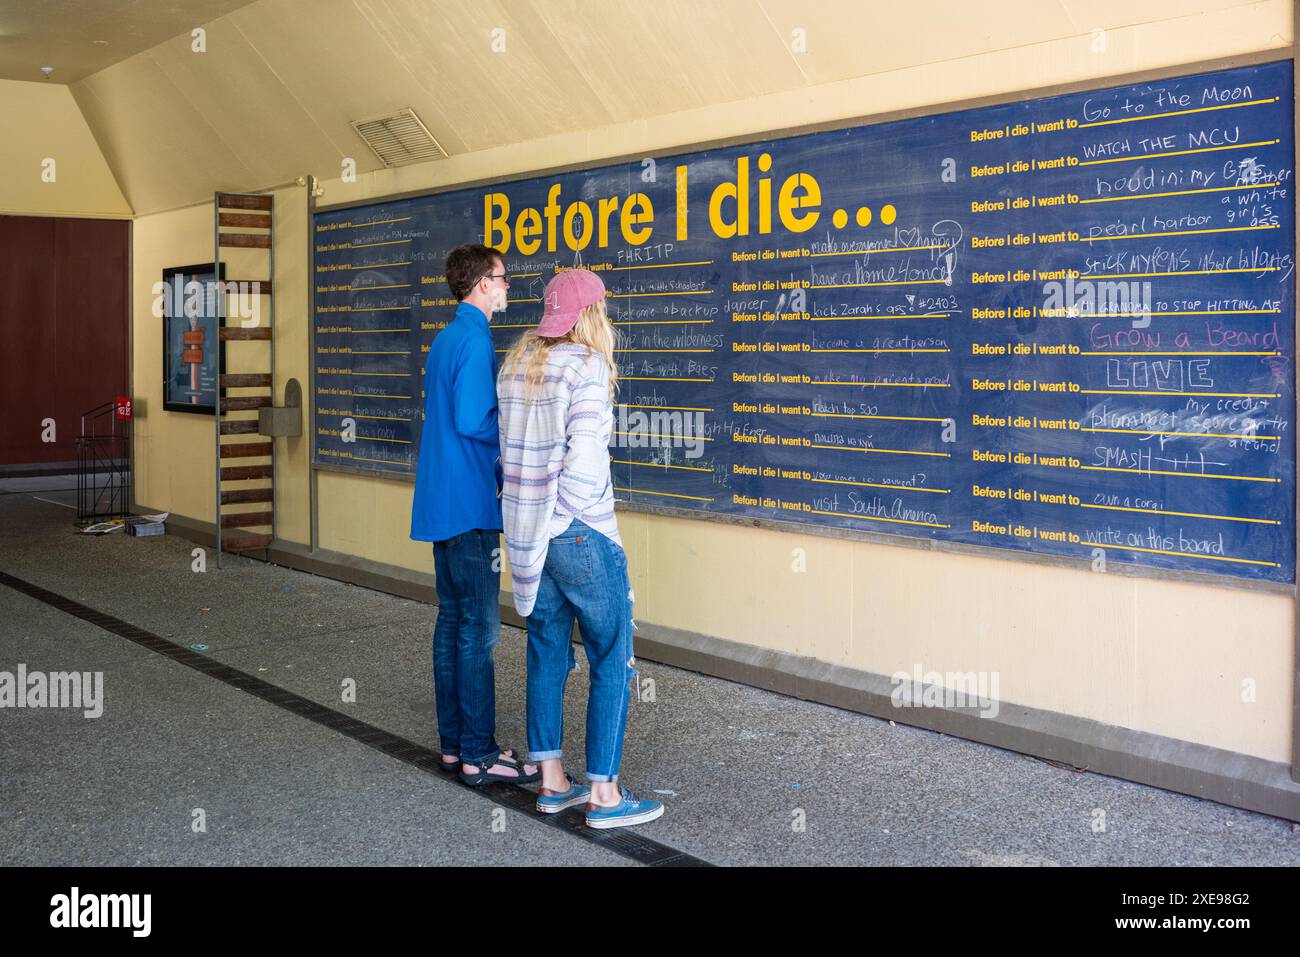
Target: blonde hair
{"points": [[593, 330]]}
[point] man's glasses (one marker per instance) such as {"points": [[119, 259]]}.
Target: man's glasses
{"points": [[496, 276]]}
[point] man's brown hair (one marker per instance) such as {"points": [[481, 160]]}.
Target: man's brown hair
{"points": [[468, 264]]}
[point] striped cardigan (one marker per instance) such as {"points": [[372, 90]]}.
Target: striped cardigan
{"points": [[554, 460]]}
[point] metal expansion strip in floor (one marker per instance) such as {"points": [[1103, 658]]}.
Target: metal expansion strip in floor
{"points": [[634, 846]]}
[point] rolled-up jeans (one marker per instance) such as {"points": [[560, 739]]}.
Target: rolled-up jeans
{"points": [[585, 579], [466, 631]]}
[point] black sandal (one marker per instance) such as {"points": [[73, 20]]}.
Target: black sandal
{"points": [[448, 767], [485, 776], [453, 767]]}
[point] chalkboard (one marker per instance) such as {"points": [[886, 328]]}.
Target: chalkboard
{"points": [[1062, 326]]}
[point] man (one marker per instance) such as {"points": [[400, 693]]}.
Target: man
{"points": [[457, 507]]}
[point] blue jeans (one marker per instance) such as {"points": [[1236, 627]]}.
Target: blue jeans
{"points": [[584, 579], [467, 629]]}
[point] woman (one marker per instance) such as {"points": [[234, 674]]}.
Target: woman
{"points": [[555, 396]]}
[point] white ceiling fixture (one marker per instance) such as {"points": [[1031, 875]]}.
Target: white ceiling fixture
{"points": [[399, 139]]}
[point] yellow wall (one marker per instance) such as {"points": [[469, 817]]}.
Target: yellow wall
{"points": [[1152, 655], [41, 121], [174, 450]]}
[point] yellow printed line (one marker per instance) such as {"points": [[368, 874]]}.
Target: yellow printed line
{"points": [[862, 285], [1227, 395], [1178, 232], [641, 491], [701, 262], [399, 285], [356, 353], [678, 408], [1185, 352], [854, 448], [1194, 435], [662, 378], [924, 315], [363, 266], [375, 438], [659, 465], [868, 252], [386, 242], [1164, 551], [375, 395], [638, 295], [364, 331], [665, 350], [899, 418], [1180, 192], [362, 458], [384, 418], [659, 434], [1238, 478], [525, 275], [901, 488], [879, 350], [378, 222], [1184, 272], [523, 300], [1136, 315], [1157, 116], [1203, 149], [877, 518], [901, 385], [1162, 511], [661, 322], [382, 309], [391, 375]]}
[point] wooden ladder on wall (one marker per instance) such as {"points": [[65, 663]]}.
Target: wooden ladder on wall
{"points": [[240, 530]]}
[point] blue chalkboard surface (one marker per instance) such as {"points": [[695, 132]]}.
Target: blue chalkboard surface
{"points": [[1063, 325]]}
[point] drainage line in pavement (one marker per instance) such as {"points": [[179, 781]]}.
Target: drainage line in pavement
{"points": [[514, 796]]}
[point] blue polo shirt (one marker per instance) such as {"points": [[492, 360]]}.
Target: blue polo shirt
{"points": [[457, 479]]}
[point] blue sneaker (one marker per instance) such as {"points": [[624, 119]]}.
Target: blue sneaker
{"points": [[627, 812], [553, 802]]}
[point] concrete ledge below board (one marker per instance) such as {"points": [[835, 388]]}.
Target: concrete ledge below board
{"points": [[1231, 778]]}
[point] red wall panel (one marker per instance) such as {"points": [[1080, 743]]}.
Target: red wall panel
{"points": [[63, 329]]}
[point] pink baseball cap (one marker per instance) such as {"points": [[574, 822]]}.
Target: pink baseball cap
{"points": [[566, 296]]}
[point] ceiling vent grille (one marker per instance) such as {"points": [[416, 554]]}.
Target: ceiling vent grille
{"points": [[399, 139]]}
